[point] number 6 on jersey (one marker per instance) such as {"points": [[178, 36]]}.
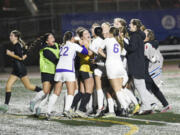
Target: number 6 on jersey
{"points": [[116, 48]]}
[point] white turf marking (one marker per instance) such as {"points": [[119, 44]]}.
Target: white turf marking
{"points": [[155, 121]]}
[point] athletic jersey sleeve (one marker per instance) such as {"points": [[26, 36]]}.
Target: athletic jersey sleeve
{"points": [[150, 52], [50, 56], [104, 42], [78, 48], [93, 46], [84, 51], [18, 50]]}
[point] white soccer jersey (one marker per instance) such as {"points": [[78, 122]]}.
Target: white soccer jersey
{"points": [[113, 50], [96, 43], [114, 65], [67, 56]]}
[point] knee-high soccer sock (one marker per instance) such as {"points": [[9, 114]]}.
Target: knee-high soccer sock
{"points": [[39, 96], [120, 97], [84, 101], [75, 92], [65, 97], [126, 96], [131, 95], [100, 97], [111, 105], [69, 100], [77, 98], [52, 101], [44, 100], [161, 98], [7, 98], [90, 103], [38, 89]]}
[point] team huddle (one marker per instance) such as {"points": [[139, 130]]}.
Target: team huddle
{"points": [[113, 71]]}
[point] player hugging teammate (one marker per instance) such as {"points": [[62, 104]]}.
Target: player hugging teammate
{"points": [[116, 72]]}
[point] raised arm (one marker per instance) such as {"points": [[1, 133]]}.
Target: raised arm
{"points": [[100, 51]]}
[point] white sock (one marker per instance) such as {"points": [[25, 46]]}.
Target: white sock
{"points": [[111, 105], [52, 101], [126, 96], [89, 105], [39, 96], [121, 100], [100, 98], [131, 95], [75, 92], [44, 101], [69, 100]]}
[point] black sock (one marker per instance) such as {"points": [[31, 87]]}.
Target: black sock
{"points": [[161, 98], [76, 99], [38, 89], [7, 97], [84, 102], [159, 95]]}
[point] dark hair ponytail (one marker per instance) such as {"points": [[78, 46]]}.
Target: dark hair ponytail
{"points": [[39, 43], [115, 33], [98, 32], [67, 36]]}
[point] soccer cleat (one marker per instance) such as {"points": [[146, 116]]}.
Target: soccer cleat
{"points": [[81, 114], [109, 115], [67, 114], [4, 108], [136, 109], [125, 112], [155, 108], [72, 113], [166, 108], [99, 113], [89, 112], [144, 112], [38, 111], [32, 105], [48, 116]]}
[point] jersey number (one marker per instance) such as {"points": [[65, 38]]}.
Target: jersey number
{"points": [[64, 51], [116, 49]]}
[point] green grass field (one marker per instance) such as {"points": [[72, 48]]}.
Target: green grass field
{"points": [[19, 120]]}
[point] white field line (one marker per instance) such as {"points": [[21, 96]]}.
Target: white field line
{"points": [[155, 121]]}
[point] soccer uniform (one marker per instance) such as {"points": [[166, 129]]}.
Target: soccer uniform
{"points": [[65, 70], [100, 61], [114, 65], [49, 56], [19, 68], [85, 70]]}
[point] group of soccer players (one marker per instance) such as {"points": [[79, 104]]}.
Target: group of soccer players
{"points": [[112, 70]]}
